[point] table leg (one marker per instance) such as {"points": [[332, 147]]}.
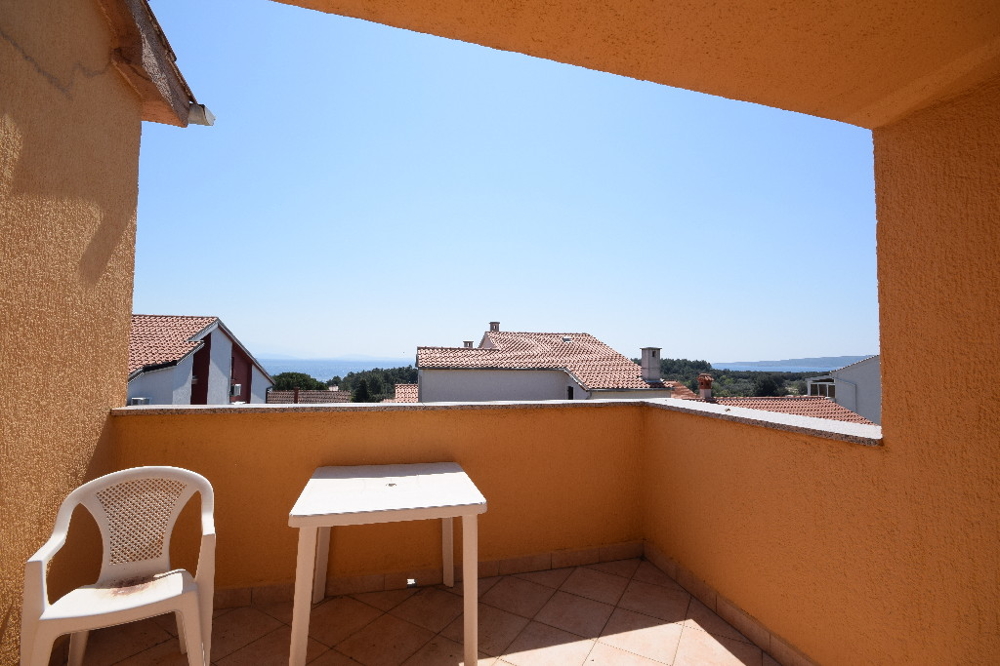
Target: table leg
{"points": [[322, 558], [448, 551], [470, 588], [305, 563]]}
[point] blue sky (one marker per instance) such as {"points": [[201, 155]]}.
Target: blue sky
{"points": [[366, 190]]}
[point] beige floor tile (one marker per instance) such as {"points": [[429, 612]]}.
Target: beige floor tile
{"points": [[660, 602], [518, 596], [167, 622], [484, 586], [164, 654], [497, 629], [333, 658], [280, 611], [385, 600], [552, 578], [583, 617], [642, 635], [646, 572], [698, 648], [542, 645], [623, 568], [429, 608], [597, 585], [605, 655], [338, 618], [700, 616], [271, 650], [443, 652], [237, 628], [388, 641], [110, 645]]}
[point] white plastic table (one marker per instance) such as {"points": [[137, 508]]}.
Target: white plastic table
{"points": [[370, 494]]}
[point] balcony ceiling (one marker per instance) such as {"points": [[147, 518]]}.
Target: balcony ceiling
{"points": [[857, 61]]}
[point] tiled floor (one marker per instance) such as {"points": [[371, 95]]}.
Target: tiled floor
{"points": [[625, 613]]}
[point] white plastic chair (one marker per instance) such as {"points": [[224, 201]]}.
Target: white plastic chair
{"points": [[135, 510]]}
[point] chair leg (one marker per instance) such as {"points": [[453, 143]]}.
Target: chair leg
{"points": [[193, 643], [77, 646], [39, 652], [180, 631], [205, 602]]}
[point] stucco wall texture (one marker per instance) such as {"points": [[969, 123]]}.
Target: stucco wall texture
{"points": [[554, 477], [69, 142], [889, 555], [861, 62]]}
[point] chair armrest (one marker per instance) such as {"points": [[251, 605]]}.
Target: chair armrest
{"points": [[49, 548], [36, 593], [206, 560]]}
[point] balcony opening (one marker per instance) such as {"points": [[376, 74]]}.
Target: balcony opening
{"points": [[362, 176]]}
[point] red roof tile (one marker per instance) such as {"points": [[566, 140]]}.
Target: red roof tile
{"points": [[594, 364], [307, 397], [163, 339], [681, 391], [815, 406], [404, 393]]}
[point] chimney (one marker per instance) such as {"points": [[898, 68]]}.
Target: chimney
{"points": [[467, 343], [650, 364], [494, 326], [705, 386]]}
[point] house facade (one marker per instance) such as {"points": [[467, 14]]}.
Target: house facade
{"points": [[537, 366], [857, 386], [179, 360]]}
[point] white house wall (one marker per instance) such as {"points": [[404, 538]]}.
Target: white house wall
{"points": [[492, 385], [859, 388], [220, 367], [166, 386], [258, 385]]}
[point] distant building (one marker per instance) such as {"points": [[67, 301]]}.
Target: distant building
{"points": [[179, 360], [405, 393], [537, 366], [857, 386]]}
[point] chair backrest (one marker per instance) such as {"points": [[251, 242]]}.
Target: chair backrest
{"points": [[135, 510]]}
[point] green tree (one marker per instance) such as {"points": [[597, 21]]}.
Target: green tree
{"points": [[287, 381], [361, 393], [768, 385]]}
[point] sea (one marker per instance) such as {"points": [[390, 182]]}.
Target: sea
{"points": [[818, 365], [327, 368], [773, 368]]}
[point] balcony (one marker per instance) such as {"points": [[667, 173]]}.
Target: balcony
{"points": [[618, 532]]}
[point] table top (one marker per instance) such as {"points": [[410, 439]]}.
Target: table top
{"points": [[366, 494]]}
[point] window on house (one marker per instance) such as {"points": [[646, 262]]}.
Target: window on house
{"points": [[569, 392], [825, 389]]}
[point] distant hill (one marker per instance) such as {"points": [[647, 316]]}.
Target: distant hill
{"points": [[819, 364], [325, 368]]}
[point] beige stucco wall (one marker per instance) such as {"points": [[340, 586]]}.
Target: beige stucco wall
{"points": [[69, 142], [896, 547], [886, 555], [555, 477]]}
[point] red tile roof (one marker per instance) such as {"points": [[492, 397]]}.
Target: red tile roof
{"points": [[681, 391], [815, 406], [307, 397], [591, 362], [157, 340], [404, 393]]}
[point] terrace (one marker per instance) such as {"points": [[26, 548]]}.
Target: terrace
{"points": [[569, 484], [807, 543]]}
